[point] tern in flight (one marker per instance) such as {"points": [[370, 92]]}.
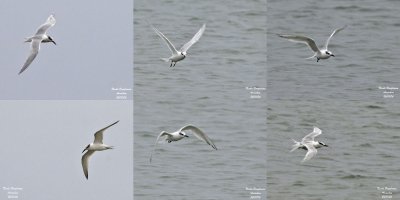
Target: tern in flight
{"points": [[39, 37], [97, 145], [308, 143], [181, 54], [180, 134], [323, 53]]}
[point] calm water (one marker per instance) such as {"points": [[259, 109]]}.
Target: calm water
{"points": [[207, 89], [340, 95]]}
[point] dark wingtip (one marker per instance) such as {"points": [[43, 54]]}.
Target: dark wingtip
{"points": [[114, 123]]}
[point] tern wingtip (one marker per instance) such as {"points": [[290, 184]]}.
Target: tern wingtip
{"points": [[280, 35]]}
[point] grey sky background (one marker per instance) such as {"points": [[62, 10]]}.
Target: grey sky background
{"points": [[94, 51], [42, 143]]}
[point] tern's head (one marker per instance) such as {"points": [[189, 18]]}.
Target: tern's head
{"points": [[183, 134], [183, 54], [323, 144], [329, 53], [86, 148], [51, 40]]}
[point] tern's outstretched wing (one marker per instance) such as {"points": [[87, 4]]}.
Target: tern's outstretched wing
{"points": [[51, 21], [35, 46], [195, 38], [170, 45], [302, 39], [312, 151], [85, 162], [163, 133], [333, 33], [199, 134], [312, 135], [98, 136]]}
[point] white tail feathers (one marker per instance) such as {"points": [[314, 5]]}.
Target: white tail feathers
{"points": [[296, 145], [312, 56], [165, 59], [28, 39]]}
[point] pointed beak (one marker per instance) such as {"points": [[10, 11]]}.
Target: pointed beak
{"points": [[332, 55], [326, 145], [54, 42], [186, 136]]}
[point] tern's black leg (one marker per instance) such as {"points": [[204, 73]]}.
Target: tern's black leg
{"points": [[317, 59], [171, 64], [174, 64]]}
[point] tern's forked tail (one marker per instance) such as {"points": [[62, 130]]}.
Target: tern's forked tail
{"points": [[28, 39], [312, 56], [165, 59], [296, 145]]}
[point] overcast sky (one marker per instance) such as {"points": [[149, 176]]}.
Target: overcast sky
{"points": [[42, 145], [43, 140], [93, 55]]}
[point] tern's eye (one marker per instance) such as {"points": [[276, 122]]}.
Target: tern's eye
{"points": [[327, 52]]}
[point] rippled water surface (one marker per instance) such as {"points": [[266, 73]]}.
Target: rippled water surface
{"points": [[207, 89], [343, 96]]}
